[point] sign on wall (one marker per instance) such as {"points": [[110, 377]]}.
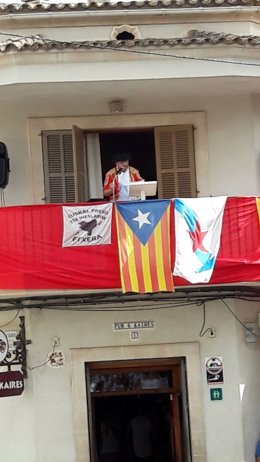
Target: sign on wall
{"points": [[134, 327], [129, 325], [214, 370], [11, 383], [3, 346], [12, 338], [216, 394]]}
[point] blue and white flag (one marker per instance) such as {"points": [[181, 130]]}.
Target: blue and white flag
{"points": [[198, 224]]}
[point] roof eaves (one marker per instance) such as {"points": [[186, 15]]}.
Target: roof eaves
{"points": [[194, 37], [40, 7]]}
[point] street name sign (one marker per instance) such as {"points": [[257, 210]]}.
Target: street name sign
{"points": [[11, 383]]}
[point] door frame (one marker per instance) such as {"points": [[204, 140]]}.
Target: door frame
{"points": [[79, 393], [172, 365]]}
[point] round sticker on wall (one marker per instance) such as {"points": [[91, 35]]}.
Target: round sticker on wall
{"points": [[214, 369], [3, 346], [56, 359]]}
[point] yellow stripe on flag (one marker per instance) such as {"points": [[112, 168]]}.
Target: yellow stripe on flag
{"points": [[146, 268], [168, 234], [121, 257], [159, 257], [258, 207], [131, 258]]}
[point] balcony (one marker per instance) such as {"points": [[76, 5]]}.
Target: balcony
{"points": [[32, 256]]}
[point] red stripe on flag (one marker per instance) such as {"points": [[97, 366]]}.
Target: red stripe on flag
{"points": [[152, 260], [139, 263], [122, 250], [166, 251]]}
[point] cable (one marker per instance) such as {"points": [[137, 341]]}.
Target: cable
{"points": [[126, 50], [9, 322], [123, 309], [87, 305], [170, 55], [43, 364], [36, 367], [93, 304], [239, 320], [202, 333], [9, 34], [152, 306], [74, 303]]}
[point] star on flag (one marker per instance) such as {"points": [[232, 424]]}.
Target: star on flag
{"points": [[142, 219], [197, 237]]}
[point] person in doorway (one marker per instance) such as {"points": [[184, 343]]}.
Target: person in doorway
{"points": [[141, 430], [116, 184], [110, 447]]}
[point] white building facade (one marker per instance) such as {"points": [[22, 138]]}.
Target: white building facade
{"points": [[184, 71]]}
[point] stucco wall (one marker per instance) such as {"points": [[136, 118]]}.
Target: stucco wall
{"points": [[13, 133], [38, 426], [231, 146], [249, 375], [232, 162], [46, 410]]}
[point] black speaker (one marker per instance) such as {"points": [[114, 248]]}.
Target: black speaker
{"points": [[4, 166]]}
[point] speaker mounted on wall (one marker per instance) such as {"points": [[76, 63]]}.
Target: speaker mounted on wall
{"points": [[4, 166]]}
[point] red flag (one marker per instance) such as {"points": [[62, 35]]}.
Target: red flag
{"points": [[32, 256]]}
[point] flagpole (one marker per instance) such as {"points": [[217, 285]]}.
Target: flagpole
{"points": [[113, 188]]}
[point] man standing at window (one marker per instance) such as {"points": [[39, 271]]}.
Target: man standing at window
{"points": [[116, 184]]}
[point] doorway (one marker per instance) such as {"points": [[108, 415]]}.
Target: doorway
{"points": [[122, 392], [138, 143]]}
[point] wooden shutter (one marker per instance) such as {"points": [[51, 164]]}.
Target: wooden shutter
{"points": [[58, 166], [80, 164], [175, 161]]}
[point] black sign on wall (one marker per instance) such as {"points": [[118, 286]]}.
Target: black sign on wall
{"points": [[214, 370]]}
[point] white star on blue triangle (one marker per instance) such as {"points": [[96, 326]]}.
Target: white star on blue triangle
{"points": [[142, 219], [143, 216]]}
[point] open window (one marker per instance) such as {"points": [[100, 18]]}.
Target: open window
{"points": [[75, 162]]}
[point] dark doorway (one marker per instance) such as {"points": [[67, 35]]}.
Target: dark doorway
{"points": [[120, 410], [140, 144], [119, 391]]}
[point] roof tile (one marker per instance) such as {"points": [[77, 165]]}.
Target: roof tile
{"points": [[38, 6], [194, 37]]}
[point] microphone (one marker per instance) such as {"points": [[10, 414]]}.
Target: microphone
{"points": [[119, 171]]}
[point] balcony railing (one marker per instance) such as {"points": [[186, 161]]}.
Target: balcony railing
{"points": [[32, 256]]}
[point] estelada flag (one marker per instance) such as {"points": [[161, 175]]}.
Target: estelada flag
{"points": [[143, 230]]}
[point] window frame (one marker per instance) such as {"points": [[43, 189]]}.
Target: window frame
{"points": [[94, 123]]}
